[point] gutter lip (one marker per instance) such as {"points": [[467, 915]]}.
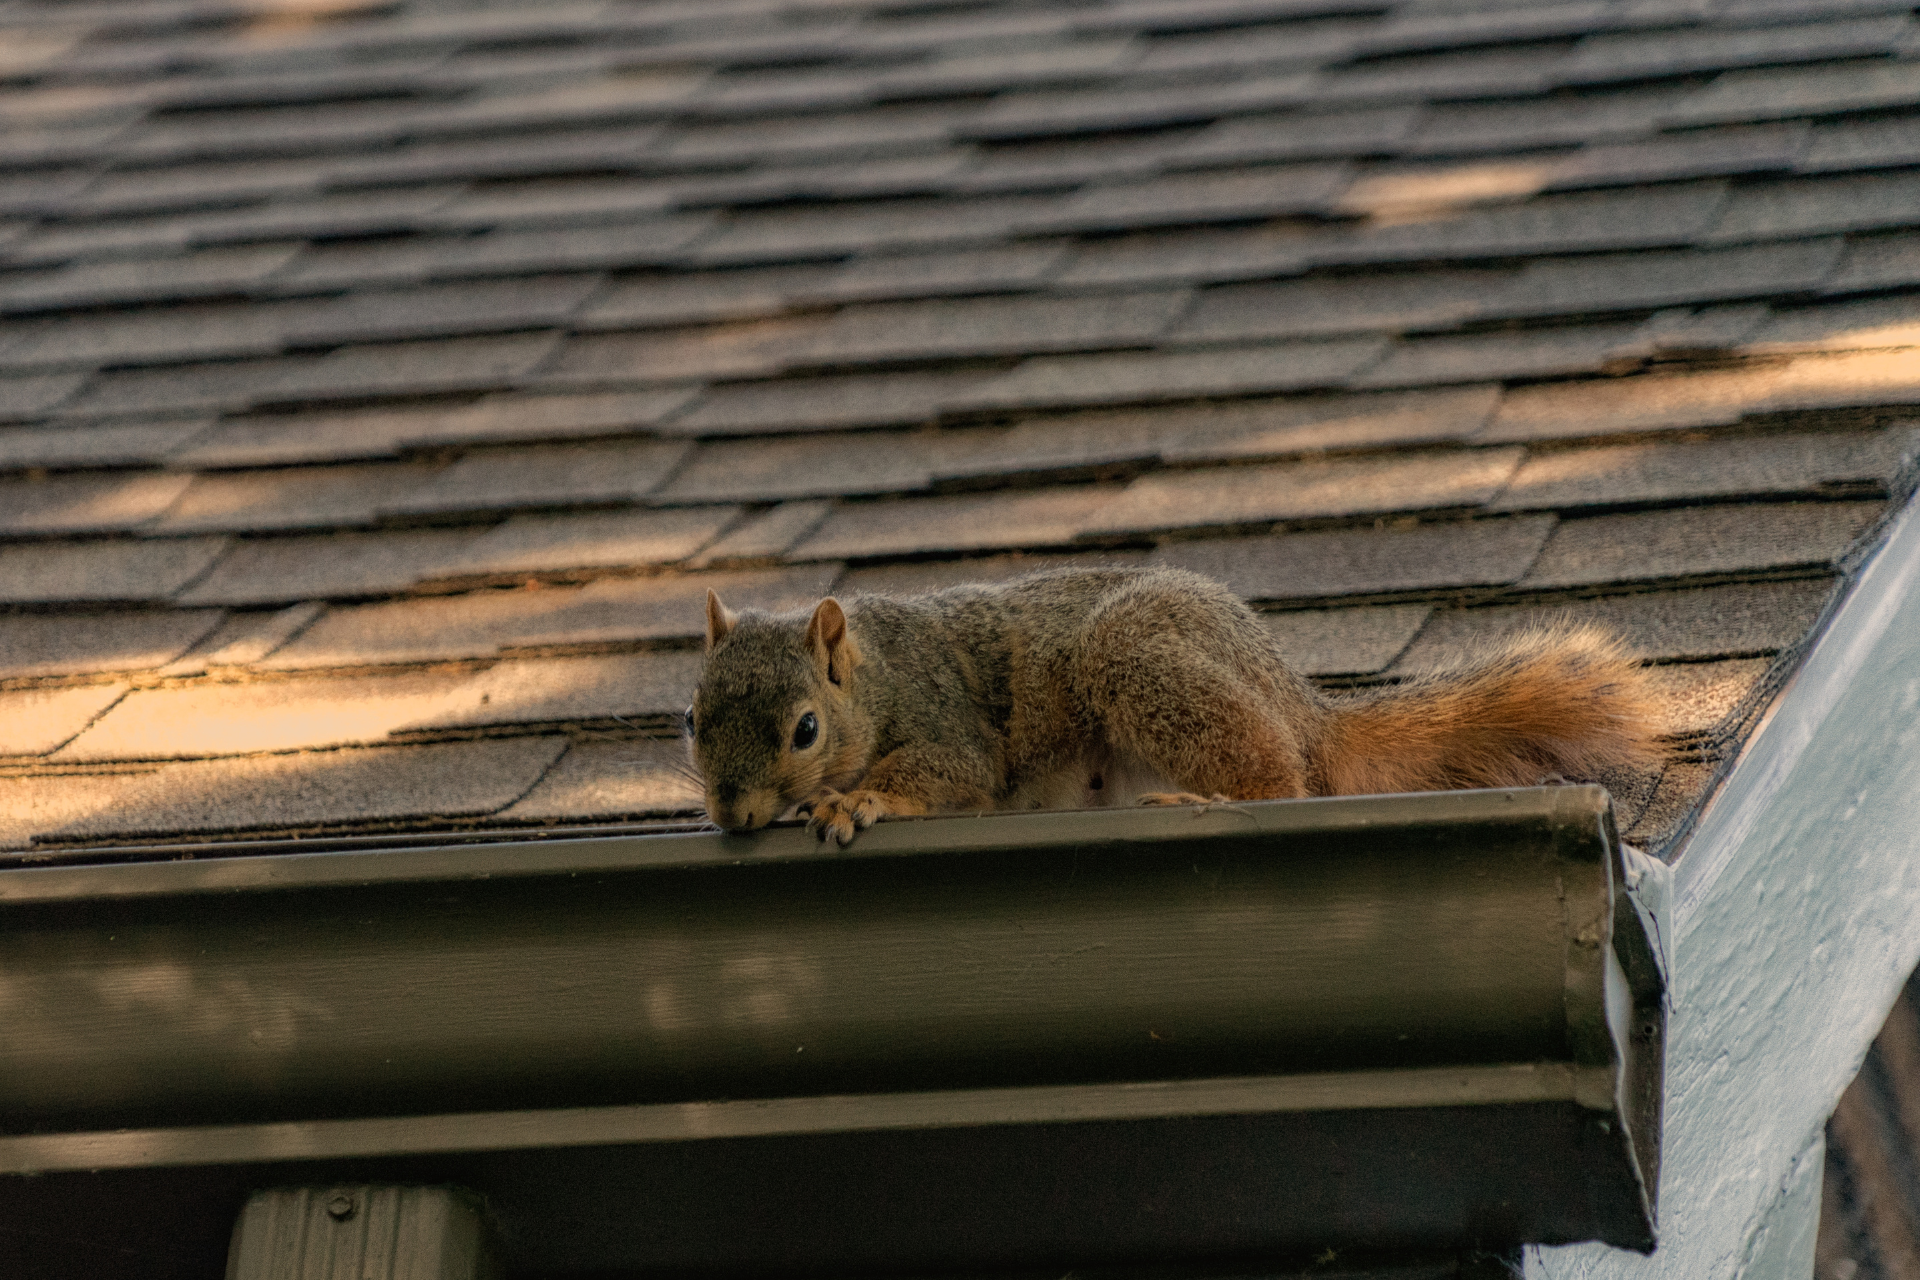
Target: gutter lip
{"points": [[1475, 1085], [185, 873]]}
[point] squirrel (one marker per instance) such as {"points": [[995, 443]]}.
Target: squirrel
{"points": [[1075, 688]]}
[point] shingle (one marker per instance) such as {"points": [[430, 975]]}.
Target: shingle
{"points": [[34, 722], [1345, 642], [656, 240], [802, 404], [1178, 257], [322, 789], [1839, 381], [244, 638], [744, 349], [1398, 192], [1694, 154], [1660, 473], [327, 566], [241, 717], [915, 577], [1739, 96], [1526, 353], [1863, 144], [1361, 562], [1025, 115], [1739, 620], [517, 155], [1059, 164], [282, 438], [198, 186], [883, 131], [578, 100], [1668, 53], [46, 192], [765, 536], [1690, 333], [1299, 135], [1225, 195], [992, 326], [600, 540], [1573, 223], [1127, 378], [936, 172], [35, 394], [347, 264], [908, 275], [525, 302], [1233, 429], [1418, 28], [483, 623], [1695, 697], [1342, 304], [967, 522], [358, 213], [1608, 406], [1877, 262], [1308, 490], [290, 498], [610, 780], [85, 503], [1699, 541], [95, 445], [1818, 206], [639, 302], [556, 203], [511, 415], [173, 333], [545, 476], [1465, 127], [1475, 73], [767, 470], [400, 368], [52, 644], [1631, 281], [554, 690], [1840, 326], [1037, 63], [1207, 15], [43, 803], [839, 230], [111, 570], [1677, 796]]}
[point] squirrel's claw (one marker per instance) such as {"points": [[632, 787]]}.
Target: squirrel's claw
{"points": [[842, 814]]}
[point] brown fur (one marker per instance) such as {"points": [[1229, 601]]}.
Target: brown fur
{"points": [[1041, 691]]}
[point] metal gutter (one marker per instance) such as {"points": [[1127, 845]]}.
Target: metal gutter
{"points": [[1794, 925], [1420, 1021]]}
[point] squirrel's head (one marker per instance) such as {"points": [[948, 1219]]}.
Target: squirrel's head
{"points": [[773, 719]]}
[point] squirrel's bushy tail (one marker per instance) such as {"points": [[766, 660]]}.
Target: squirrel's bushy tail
{"points": [[1562, 700]]}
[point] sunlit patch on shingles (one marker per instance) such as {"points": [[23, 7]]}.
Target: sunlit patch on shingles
{"points": [[1430, 194]]}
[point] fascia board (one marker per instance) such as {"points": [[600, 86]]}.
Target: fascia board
{"points": [[1795, 919]]}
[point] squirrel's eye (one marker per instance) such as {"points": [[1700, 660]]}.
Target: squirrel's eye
{"points": [[689, 722], [805, 732]]}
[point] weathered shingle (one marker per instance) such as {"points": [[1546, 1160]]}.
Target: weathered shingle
{"points": [[766, 470], [1607, 406], [1678, 473], [1817, 206], [34, 394], [327, 566], [1345, 642], [104, 570], [1365, 562], [1520, 353], [1047, 381], [971, 522], [1700, 542], [746, 349], [765, 536], [598, 540], [321, 789], [811, 404], [52, 644], [34, 722], [290, 498], [612, 687], [1739, 620], [1227, 195], [103, 503], [96, 444], [1308, 490], [1839, 326], [992, 326], [1773, 94], [544, 476], [1343, 304], [610, 780]]}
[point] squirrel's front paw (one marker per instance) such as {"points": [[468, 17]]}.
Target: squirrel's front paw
{"points": [[839, 814]]}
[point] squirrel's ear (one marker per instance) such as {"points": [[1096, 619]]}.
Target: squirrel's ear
{"points": [[830, 642], [720, 619]]}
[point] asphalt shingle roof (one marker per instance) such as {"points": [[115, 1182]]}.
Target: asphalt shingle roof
{"points": [[385, 381]]}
